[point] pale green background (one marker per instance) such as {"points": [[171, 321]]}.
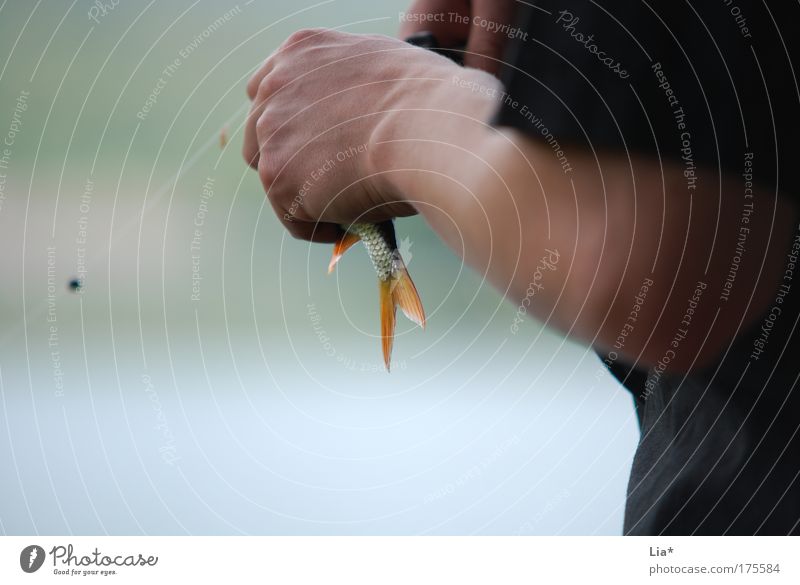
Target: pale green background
{"points": [[476, 430]]}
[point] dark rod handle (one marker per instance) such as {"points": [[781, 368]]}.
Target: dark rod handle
{"points": [[427, 40]]}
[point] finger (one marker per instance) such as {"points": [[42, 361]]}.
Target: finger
{"points": [[387, 211], [321, 233], [489, 34], [255, 79], [269, 63], [294, 219], [250, 149], [449, 20]]}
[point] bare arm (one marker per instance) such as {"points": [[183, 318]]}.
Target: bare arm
{"points": [[502, 200], [622, 228]]}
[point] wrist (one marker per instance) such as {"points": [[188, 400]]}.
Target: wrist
{"points": [[429, 133]]}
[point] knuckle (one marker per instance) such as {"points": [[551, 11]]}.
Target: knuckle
{"points": [[267, 173], [302, 35], [252, 87], [255, 80], [267, 86], [250, 155], [263, 126]]}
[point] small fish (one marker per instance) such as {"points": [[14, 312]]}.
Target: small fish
{"points": [[394, 284]]}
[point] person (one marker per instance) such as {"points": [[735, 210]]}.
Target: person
{"points": [[650, 147]]}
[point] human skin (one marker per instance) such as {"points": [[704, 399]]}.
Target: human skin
{"points": [[501, 200], [477, 25]]}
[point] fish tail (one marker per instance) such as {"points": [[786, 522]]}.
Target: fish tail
{"points": [[387, 303], [398, 291], [404, 293], [340, 247]]}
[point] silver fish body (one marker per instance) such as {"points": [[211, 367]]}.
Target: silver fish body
{"points": [[395, 286], [381, 244]]}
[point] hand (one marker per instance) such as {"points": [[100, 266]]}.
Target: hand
{"points": [[317, 102], [480, 26]]}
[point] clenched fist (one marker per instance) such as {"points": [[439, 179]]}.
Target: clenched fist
{"points": [[318, 104]]}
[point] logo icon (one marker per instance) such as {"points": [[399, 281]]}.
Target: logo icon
{"points": [[405, 250], [31, 558]]}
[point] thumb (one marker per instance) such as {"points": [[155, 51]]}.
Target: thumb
{"points": [[490, 26]]}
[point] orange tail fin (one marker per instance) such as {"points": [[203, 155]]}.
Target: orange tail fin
{"points": [[387, 320], [340, 247], [405, 296], [398, 291]]}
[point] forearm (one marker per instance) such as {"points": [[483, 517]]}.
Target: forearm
{"points": [[615, 225], [498, 201], [505, 203]]}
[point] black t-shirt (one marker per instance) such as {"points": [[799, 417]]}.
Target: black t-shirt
{"points": [[708, 84]]}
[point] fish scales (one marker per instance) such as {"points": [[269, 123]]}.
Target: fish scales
{"points": [[382, 252], [394, 284]]}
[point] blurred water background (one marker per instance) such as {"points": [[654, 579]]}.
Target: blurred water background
{"points": [[210, 377]]}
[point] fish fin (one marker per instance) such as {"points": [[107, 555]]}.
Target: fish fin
{"points": [[405, 295], [340, 247], [387, 320]]}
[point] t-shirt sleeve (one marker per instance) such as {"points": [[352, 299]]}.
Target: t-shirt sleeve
{"points": [[706, 84]]}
